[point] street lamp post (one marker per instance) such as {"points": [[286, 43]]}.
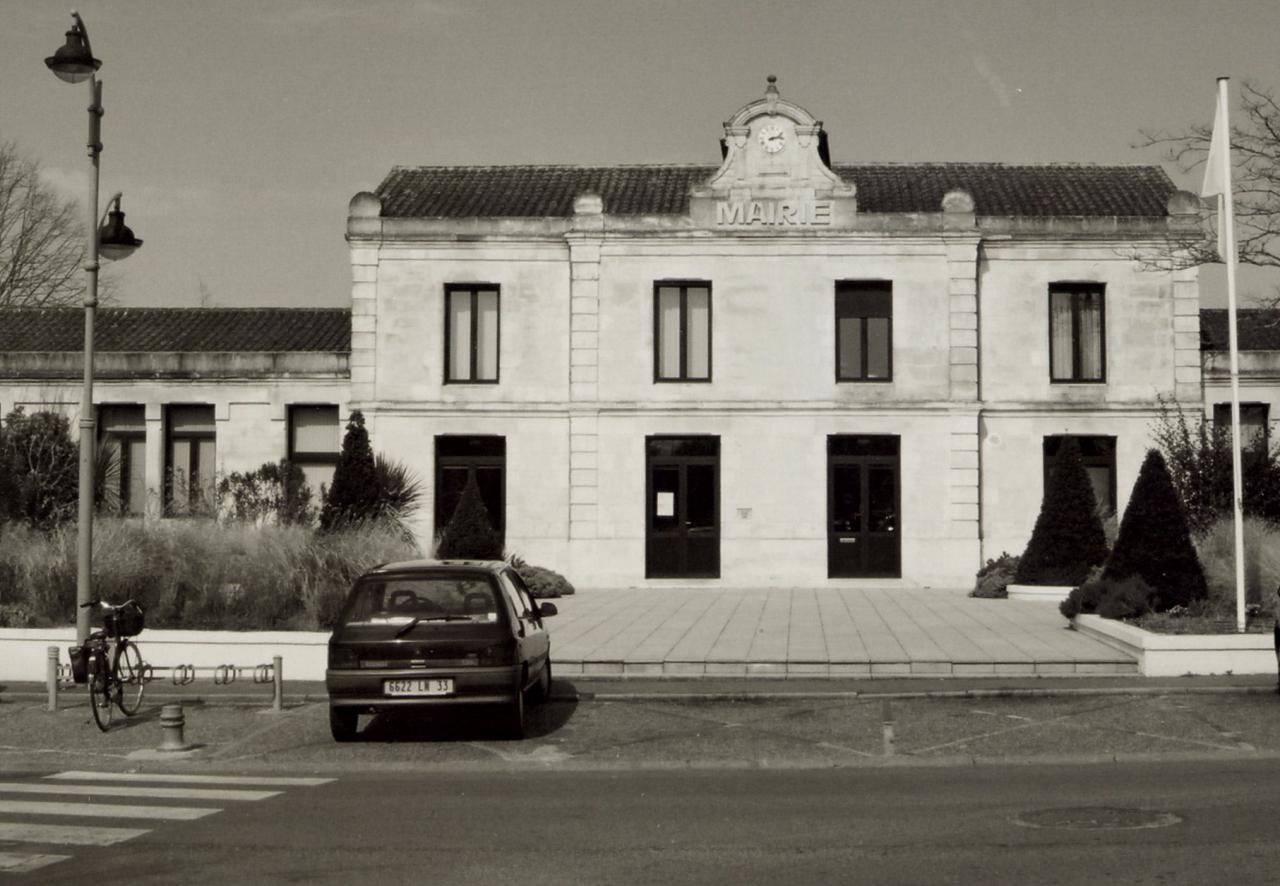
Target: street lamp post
{"points": [[74, 63]]}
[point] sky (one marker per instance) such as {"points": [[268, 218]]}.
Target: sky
{"points": [[238, 130]]}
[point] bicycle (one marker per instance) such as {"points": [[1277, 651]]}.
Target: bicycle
{"points": [[111, 664]]}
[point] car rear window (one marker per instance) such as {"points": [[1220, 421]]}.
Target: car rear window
{"points": [[402, 598]]}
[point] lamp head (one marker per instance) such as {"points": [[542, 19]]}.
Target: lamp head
{"points": [[74, 61], [115, 238]]}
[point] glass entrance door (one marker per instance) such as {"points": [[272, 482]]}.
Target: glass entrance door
{"points": [[682, 534], [863, 535]]}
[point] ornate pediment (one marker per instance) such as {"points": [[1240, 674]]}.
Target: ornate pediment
{"points": [[774, 175]]}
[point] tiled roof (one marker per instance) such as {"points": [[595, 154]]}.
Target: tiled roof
{"points": [[1258, 329], [997, 189], [178, 329]]}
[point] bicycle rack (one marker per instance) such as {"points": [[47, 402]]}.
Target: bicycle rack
{"points": [[59, 675]]}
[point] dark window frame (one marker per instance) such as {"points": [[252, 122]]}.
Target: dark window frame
{"points": [[194, 494], [683, 286], [1225, 422], [1078, 290], [853, 288], [1089, 460], [472, 289], [307, 456], [470, 461], [126, 463]]}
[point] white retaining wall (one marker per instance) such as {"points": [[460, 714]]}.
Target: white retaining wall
{"points": [[24, 651]]}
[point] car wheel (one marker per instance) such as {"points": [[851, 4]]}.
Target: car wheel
{"points": [[342, 723], [515, 716]]}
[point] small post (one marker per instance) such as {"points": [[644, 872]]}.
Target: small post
{"points": [[886, 722], [277, 684], [51, 676], [172, 722]]}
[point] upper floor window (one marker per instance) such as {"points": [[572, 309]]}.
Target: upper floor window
{"points": [[864, 330], [1077, 332], [471, 333], [1254, 421], [682, 331]]}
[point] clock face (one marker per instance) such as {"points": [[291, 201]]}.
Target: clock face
{"points": [[772, 139]]}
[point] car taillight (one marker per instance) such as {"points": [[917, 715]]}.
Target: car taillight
{"points": [[499, 654], [341, 657]]}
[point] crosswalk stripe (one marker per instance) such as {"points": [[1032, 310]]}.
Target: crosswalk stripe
{"points": [[106, 810], [261, 780], [25, 862], [110, 790], [65, 834]]}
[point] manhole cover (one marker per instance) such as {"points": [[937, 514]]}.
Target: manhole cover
{"points": [[1096, 818]]}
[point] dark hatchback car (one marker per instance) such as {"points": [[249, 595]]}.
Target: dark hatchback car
{"points": [[438, 634]]}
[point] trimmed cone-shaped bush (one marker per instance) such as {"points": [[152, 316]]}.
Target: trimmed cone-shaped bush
{"points": [[353, 495], [1154, 541], [1068, 539], [469, 535]]}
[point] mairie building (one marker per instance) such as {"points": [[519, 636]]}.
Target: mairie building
{"points": [[768, 369]]}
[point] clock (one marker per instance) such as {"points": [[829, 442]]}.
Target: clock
{"points": [[772, 139]]}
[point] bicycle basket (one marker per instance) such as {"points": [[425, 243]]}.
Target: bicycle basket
{"points": [[79, 663], [125, 621]]}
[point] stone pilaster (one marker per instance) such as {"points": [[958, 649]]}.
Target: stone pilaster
{"points": [[1187, 364], [364, 323], [584, 364], [153, 459], [963, 479], [961, 241]]}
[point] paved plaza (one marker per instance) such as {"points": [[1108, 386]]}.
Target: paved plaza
{"points": [[819, 632]]}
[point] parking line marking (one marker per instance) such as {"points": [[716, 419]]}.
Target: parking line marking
{"points": [[25, 862], [66, 834], [106, 810], [176, 778], [158, 792]]}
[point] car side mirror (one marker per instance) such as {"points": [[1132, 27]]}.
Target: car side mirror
{"points": [[546, 609]]}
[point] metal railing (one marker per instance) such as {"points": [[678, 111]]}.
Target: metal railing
{"points": [[58, 675]]}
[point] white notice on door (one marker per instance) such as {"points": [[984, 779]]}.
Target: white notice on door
{"points": [[665, 506]]}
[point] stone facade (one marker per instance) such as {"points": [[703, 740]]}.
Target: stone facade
{"points": [[580, 405]]}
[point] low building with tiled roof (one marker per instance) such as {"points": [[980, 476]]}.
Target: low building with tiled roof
{"points": [[187, 394], [775, 369]]}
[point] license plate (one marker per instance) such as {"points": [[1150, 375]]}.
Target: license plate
{"points": [[440, 686]]}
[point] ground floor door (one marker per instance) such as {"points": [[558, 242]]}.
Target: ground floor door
{"points": [[682, 520], [863, 532], [461, 458]]}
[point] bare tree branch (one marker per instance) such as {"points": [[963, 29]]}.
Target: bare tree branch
{"points": [[42, 239]]}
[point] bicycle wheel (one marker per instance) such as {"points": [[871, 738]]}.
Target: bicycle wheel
{"points": [[100, 687], [129, 678]]}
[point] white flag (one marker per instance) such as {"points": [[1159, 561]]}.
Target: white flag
{"points": [[1217, 166]]}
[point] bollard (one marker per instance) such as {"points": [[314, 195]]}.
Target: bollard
{"points": [[171, 722], [886, 721], [51, 677], [277, 684]]}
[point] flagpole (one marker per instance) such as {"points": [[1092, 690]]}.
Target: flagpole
{"points": [[1226, 213]]}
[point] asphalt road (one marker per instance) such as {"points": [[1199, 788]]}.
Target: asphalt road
{"points": [[1196, 822]]}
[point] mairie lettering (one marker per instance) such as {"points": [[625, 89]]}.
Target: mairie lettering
{"points": [[778, 213]]}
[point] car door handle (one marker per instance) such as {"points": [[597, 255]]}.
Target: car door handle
{"points": [[848, 541]]}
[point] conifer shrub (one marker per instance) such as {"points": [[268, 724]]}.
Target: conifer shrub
{"points": [[1127, 598], [469, 534], [1068, 539], [353, 496], [1154, 541]]}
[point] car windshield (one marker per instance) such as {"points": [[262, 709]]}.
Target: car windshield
{"points": [[423, 599]]}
